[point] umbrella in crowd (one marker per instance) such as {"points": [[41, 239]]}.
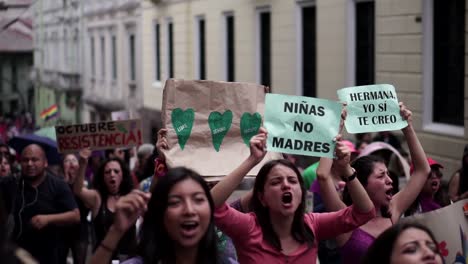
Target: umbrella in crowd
{"points": [[18, 143]]}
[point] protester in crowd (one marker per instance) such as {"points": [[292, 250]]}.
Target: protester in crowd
{"points": [[5, 166], [458, 186], [158, 164], [144, 153], [227, 252], [76, 235], [178, 226], [95, 161], [432, 195], [149, 171], [115, 153], [124, 155], [389, 138], [374, 176], [110, 183], [278, 228], [328, 250], [40, 205], [404, 243], [363, 137], [9, 253]]}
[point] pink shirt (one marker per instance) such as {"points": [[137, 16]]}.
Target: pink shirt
{"points": [[246, 233]]}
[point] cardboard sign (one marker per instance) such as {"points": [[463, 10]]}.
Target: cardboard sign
{"points": [[102, 135], [210, 124], [371, 108], [301, 125], [450, 228]]}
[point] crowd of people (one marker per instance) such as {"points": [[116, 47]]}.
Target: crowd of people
{"points": [[133, 208]]}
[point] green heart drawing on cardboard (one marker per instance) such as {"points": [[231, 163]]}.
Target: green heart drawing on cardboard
{"points": [[219, 126], [249, 125], [182, 121]]}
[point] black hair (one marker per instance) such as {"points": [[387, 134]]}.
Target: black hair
{"points": [[148, 170], [440, 197], [126, 186], [7, 249], [299, 230], [364, 167], [381, 249], [155, 245], [463, 182]]}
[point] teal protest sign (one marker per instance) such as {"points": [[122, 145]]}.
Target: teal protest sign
{"points": [[301, 125], [371, 108]]}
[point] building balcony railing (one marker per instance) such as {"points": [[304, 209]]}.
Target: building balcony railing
{"points": [[58, 80]]}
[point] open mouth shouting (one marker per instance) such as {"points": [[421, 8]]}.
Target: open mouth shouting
{"points": [[287, 199], [189, 228], [389, 194], [435, 185]]}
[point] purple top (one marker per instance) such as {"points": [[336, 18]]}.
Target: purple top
{"points": [[355, 248], [427, 203]]}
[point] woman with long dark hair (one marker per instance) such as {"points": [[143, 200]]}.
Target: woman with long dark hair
{"points": [[112, 181], [373, 174], [178, 225], [5, 165], [404, 243], [458, 186], [77, 235], [278, 230]]}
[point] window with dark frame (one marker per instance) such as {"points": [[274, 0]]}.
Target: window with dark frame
{"points": [[201, 49], [449, 62], [103, 57], [93, 58], [157, 51], [230, 48], [309, 57], [365, 42], [114, 57], [14, 106], [265, 48], [1, 77], [14, 76], [132, 57], [170, 37]]}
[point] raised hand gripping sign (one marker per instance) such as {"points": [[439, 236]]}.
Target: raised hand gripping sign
{"points": [[371, 108], [301, 125]]}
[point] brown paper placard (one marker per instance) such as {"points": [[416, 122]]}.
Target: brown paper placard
{"points": [[198, 151]]}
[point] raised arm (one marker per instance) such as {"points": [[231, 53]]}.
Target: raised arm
{"points": [[228, 184], [328, 192], [90, 198], [330, 196], [404, 198], [160, 166], [127, 210]]}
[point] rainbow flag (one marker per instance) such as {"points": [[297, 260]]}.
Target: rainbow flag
{"points": [[49, 113]]}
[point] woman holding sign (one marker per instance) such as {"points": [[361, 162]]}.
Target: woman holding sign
{"points": [[112, 181], [374, 176], [278, 230]]}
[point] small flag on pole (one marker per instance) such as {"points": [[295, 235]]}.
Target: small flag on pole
{"points": [[49, 113]]}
